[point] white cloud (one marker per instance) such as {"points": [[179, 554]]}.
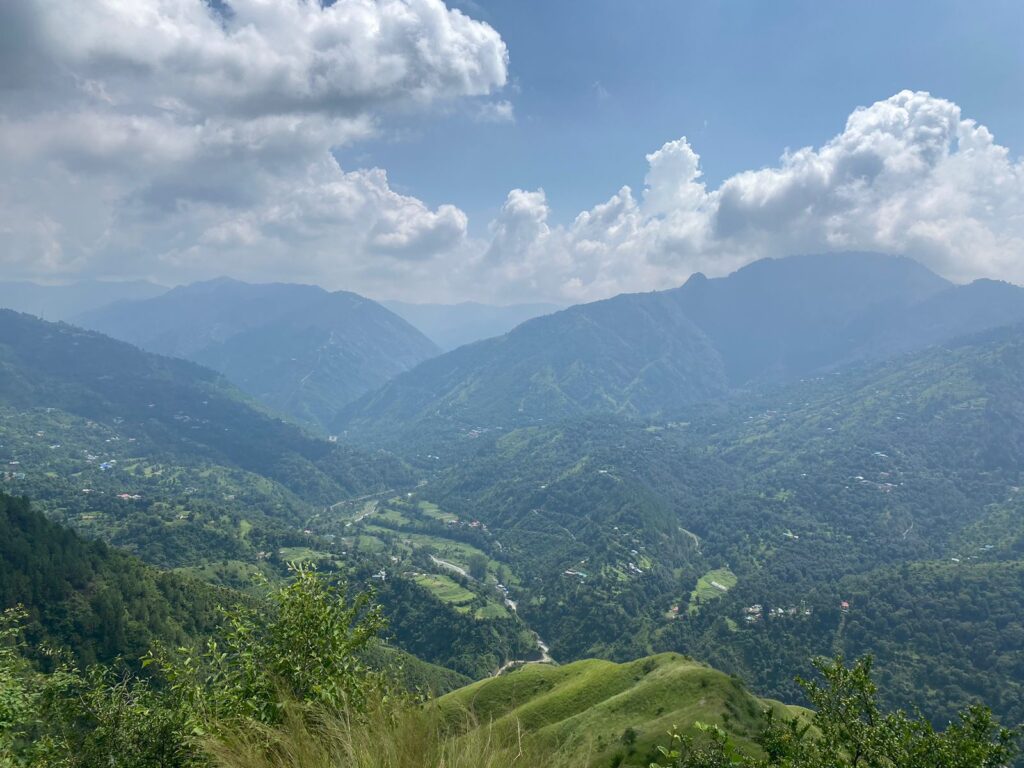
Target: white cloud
{"points": [[496, 112], [287, 56], [161, 137], [907, 175]]}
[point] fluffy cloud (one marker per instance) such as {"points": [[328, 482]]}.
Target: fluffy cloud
{"points": [[176, 137], [907, 175], [180, 139], [258, 57]]}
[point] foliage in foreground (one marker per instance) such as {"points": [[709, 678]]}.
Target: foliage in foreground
{"points": [[289, 690], [389, 734], [308, 650], [849, 730]]}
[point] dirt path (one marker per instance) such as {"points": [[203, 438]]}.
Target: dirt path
{"points": [[452, 567], [545, 658]]}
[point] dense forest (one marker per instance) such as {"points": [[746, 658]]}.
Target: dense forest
{"points": [[93, 600], [889, 490]]}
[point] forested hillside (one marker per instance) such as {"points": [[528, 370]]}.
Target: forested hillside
{"points": [[869, 510], [165, 459], [298, 349], [651, 354], [89, 598], [91, 423]]}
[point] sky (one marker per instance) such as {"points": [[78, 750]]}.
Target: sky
{"points": [[505, 150]]}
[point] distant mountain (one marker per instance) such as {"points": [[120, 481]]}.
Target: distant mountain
{"points": [[453, 325], [62, 302], [644, 354], [299, 349]]}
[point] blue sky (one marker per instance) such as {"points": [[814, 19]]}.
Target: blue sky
{"points": [[598, 84]]}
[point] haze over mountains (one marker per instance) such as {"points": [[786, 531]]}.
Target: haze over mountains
{"points": [[453, 325], [63, 302], [644, 354], [299, 349]]}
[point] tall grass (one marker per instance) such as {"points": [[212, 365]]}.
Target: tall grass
{"points": [[391, 734]]}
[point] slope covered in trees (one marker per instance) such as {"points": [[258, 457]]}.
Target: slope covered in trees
{"points": [[140, 446], [92, 599], [298, 349], [651, 354], [737, 532]]}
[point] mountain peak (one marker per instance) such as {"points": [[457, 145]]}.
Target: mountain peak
{"points": [[696, 279]]}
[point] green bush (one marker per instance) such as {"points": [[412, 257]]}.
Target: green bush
{"points": [[849, 730]]}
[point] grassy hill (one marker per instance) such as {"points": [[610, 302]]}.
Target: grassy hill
{"points": [[617, 712]]}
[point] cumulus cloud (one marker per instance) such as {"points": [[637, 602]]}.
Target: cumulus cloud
{"points": [[179, 139], [176, 137], [907, 175]]}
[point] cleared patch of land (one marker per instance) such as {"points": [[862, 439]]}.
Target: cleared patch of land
{"points": [[711, 586], [445, 589]]}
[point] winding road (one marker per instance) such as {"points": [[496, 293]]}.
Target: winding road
{"points": [[545, 658]]}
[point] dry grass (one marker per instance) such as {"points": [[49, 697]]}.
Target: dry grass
{"points": [[391, 735]]}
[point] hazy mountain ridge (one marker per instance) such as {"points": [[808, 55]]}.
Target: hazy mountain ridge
{"points": [[63, 302], [299, 349], [454, 325], [646, 354]]}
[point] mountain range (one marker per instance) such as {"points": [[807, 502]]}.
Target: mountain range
{"points": [[810, 456], [302, 351], [63, 302], [774, 321]]}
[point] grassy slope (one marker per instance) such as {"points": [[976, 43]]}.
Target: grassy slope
{"points": [[591, 703]]}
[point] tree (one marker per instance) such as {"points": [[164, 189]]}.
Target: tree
{"points": [[307, 651], [478, 566], [849, 730]]}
